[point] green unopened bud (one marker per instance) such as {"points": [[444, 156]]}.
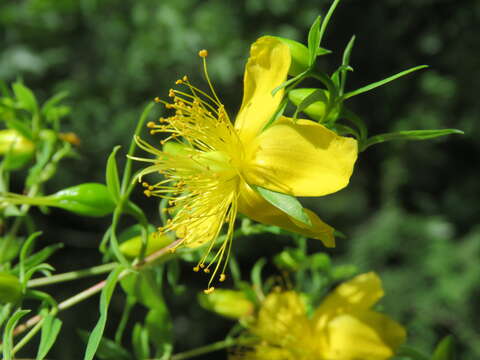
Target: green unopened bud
{"points": [[19, 149], [229, 303], [133, 246], [315, 110], [10, 288], [88, 199], [299, 54]]}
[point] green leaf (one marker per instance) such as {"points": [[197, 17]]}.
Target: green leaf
{"points": [[112, 179], [108, 349], [326, 20], [20, 126], [8, 333], [382, 82], [50, 330], [97, 332], [321, 51], [445, 350], [256, 274], [287, 203], [24, 252], [25, 97], [314, 40], [54, 100], [140, 342], [159, 325], [142, 286], [409, 135], [346, 63], [277, 114], [358, 122], [37, 258], [297, 78], [5, 312]]}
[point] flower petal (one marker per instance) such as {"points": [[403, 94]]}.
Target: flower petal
{"points": [[266, 69], [251, 204], [360, 293], [368, 335], [301, 158]]}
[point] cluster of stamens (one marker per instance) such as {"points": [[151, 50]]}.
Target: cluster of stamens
{"points": [[199, 180]]}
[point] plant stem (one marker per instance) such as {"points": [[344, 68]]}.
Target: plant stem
{"points": [[219, 345], [85, 294], [16, 224], [72, 275]]}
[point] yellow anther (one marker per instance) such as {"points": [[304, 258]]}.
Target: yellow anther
{"points": [[178, 82], [147, 193], [209, 290], [185, 78], [171, 93], [157, 99], [196, 269], [206, 270], [145, 184], [222, 277], [203, 53], [150, 124], [202, 265]]}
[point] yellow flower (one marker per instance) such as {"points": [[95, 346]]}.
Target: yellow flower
{"points": [[209, 165], [343, 327]]}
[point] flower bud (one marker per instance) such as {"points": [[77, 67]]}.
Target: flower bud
{"points": [[315, 110], [229, 303], [10, 288], [299, 54], [20, 150], [133, 246], [88, 199]]}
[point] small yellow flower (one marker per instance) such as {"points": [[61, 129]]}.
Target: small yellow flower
{"points": [[209, 165], [343, 327]]}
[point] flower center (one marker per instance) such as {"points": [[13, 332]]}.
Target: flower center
{"points": [[200, 164]]}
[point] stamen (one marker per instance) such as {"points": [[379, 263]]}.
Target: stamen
{"points": [[203, 54], [209, 290]]}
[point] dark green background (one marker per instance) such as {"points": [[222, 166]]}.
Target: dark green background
{"points": [[411, 210]]}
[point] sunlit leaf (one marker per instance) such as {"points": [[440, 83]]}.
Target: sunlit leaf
{"points": [[287, 203]]}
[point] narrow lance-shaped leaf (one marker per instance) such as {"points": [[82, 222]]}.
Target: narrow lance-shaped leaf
{"points": [[54, 100], [256, 274], [25, 97], [96, 334], [50, 330], [293, 80], [140, 344], [277, 114], [8, 333], [325, 22], [287, 203], [409, 135], [346, 64], [112, 180], [108, 349], [445, 350], [382, 82], [314, 40]]}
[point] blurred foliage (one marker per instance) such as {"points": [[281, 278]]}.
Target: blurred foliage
{"points": [[411, 211]]}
